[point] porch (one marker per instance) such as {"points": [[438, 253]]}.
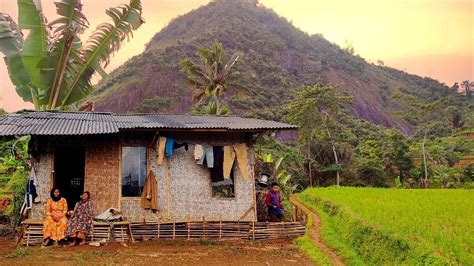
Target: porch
{"points": [[178, 229]]}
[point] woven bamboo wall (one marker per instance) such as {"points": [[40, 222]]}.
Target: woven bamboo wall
{"points": [[188, 195]]}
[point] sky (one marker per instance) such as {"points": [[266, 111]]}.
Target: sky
{"points": [[432, 38]]}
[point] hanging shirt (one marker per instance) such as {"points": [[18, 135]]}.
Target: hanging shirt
{"points": [[169, 147]]}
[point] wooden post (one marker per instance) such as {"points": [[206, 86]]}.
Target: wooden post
{"points": [[159, 229], [92, 232], [189, 227], [174, 229], [293, 213], [132, 239], [238, 227], [27, 236], [204, 226], [220, 228], [253, 230]]}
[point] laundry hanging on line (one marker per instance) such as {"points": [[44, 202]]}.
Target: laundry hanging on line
{"points": [[207, 154], [161, 143], [238, 151], [198, 152], [217, 172], [169, 147], [166, 146]]}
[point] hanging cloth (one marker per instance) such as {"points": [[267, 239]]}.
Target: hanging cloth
{"points": [[149, 197], [208, 154], [229, 157], [217, 173], [242, 159], [161, 150], [169, 147], [179, 145], [251, 153], [198, 152]]}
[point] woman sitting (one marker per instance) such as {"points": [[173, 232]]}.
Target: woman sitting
{"points": [[80, 224], [55, 224]]}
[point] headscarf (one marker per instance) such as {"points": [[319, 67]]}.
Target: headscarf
{"points": [[52, 194]]}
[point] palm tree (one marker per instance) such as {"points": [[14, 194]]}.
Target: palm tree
{"points": [[211, 77], [52, 68]]}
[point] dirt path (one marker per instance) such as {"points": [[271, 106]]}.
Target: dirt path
{"points": [[157, 252], [314, 233]]}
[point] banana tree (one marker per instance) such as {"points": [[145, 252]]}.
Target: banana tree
{"points": [[52, 67]]}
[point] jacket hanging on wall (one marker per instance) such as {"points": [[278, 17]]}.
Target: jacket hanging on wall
{"points": [[149, 197]]}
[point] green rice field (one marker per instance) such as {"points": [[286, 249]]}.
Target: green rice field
{"points": [[396, 226]]}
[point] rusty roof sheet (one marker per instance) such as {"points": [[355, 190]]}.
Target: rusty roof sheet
{"points": [[90, 123]]}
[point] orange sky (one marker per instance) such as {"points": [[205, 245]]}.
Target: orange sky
{"points": [[425, 37]]}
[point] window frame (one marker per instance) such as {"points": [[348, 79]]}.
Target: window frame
{"points": [[233, 175], [134, 145]]}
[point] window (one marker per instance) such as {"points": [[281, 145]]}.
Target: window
{"points": [[221, 188], [133, 171], [225, 188]]}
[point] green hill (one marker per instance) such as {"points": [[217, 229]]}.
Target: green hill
{"points": [[277, 58]]}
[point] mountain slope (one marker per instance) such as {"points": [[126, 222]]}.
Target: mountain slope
{"points": [[277, 59]]}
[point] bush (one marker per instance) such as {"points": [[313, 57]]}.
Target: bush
{"points": [[17, 185]]}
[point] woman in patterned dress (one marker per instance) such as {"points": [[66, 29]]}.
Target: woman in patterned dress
{"points": [[55, 224], [80, 224]]}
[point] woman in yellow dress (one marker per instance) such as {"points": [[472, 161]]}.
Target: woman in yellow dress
{"points": [[55, 224]]}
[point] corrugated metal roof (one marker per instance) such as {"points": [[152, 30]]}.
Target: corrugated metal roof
{"points": [[89, 123]]}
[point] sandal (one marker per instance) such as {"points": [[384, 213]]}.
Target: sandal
{"points": [[46, 242]]}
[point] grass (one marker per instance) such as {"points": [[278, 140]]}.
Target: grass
{"points": [[390, 226], [18, 253], [307, 245]]}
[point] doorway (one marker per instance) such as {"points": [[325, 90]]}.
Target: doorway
{"points": [[69, 166]]}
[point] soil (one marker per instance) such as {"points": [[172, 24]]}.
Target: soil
{"points": [[168, 252], [314, 233]]}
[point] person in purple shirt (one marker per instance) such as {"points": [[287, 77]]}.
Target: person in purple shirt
{"points": [[273, 202]]}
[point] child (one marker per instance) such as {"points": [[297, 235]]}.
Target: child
{"points": [[273, 202]]}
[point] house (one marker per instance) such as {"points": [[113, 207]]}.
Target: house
{"points": [[111, 155]]}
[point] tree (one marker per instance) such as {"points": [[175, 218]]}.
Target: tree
{"points": [[52, 68], [423, 114], [455, 117], [396, 153], [317, 109], [467, 88], [368, 162], [212, 77]]}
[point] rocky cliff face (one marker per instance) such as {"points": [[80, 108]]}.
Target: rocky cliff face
{"points": [[277, 59]]}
